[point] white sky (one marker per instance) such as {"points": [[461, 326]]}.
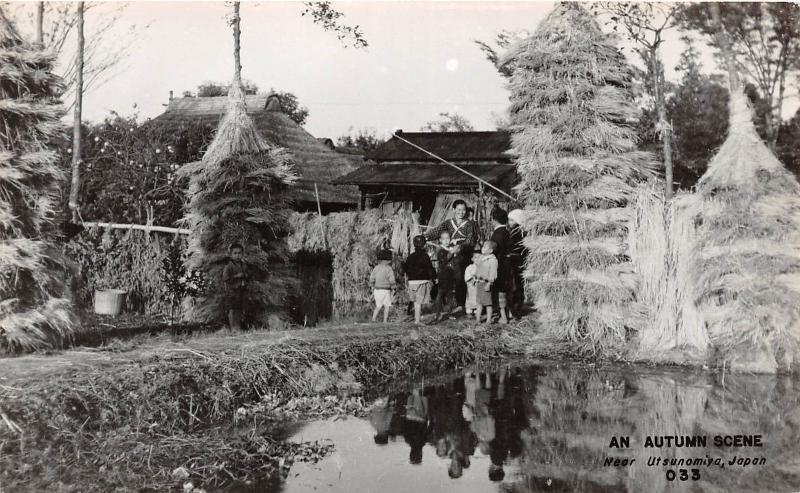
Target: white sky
{"points": [[421, 60]]}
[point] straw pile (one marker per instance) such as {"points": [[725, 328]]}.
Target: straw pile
{"points": [[573, 118], [32, 312], [353, 239], [662, 247], [238, 193], [746, 270]]}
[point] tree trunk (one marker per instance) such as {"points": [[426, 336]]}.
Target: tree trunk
{"points": [[237, 73], [664, 127], [39, 24], [725, 48], [76, 129]]}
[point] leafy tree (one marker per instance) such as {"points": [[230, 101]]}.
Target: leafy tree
{"points": [[764, 42], [448, 122], [574, 134], [32, 312], [210, 89], [129, 169], [698, 111], [239, 193], [364, 139], [330, 19], [788, 147]]}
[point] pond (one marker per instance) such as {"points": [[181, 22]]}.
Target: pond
{"points": [[562, 428]]}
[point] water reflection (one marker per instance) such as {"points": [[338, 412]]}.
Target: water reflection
{"points": [[551, 426]]}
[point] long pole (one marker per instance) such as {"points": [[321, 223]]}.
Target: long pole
{"points": [[445, 161], [76, 124], [40, 24]]}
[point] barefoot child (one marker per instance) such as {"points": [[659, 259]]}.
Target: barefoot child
{"points": [[420, 274], [235, 278], [485, 276], [383, 283]]}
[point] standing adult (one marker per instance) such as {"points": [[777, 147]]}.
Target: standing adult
{"points": [[517, 258], [463, 233], [504, 284]]}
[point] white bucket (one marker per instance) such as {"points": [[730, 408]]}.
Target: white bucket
{"points": [[109, 301]]}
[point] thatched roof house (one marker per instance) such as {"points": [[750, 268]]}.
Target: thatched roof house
{"points": [[316, 163], [400, 173]]}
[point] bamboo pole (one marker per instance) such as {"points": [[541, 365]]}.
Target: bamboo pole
{"points": [[478, 178], [316, 194], [158, 229]]}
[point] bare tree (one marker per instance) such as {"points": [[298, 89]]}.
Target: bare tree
{"points": [[644, 24], [76, 124], [103, 56]]}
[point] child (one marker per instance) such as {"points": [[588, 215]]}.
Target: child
{"points": [[445, 242], [420, 274], [485, 275], [446, 283], [235, 279], [383, 283], [471, 279]]}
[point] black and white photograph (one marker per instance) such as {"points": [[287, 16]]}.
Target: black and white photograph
{"points": [[285, 246]]}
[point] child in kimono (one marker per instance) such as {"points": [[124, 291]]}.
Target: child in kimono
{"points": [[470, 277], [486, 274]]}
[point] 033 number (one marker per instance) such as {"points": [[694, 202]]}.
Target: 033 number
{"points": [[683, 475]]}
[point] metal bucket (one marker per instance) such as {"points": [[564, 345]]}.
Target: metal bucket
{"points": [[109, 301]]}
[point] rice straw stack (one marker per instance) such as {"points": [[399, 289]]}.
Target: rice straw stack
{"points": [[573, 120], [746, 268]]}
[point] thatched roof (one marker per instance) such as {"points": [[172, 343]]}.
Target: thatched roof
{"points": [[476, 147], [429, 175], [314, 161]]}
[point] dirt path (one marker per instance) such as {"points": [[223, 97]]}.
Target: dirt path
{"points": [[14, 372]]}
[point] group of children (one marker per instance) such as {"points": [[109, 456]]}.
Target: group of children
{"points": [[421, 276]]}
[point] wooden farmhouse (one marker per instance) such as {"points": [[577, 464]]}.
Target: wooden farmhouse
{"points": [[399, 175], [317, 162]]}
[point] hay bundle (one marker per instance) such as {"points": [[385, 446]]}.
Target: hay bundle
{"points": [[573, 116], [662, 246], [238, 193], [297, 239], [32, 312], [746, 272], [353, 240]]}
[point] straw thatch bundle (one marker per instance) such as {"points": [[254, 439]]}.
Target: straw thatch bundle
{"points": [[238, 193], [573, 120], [746, 269], [32, 312], [353, 239], [661, 247]]}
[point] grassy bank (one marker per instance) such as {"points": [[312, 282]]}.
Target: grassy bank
{"points": [[215, 414]]}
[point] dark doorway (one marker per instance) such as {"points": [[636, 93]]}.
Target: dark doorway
{"points": [[314, 300]]}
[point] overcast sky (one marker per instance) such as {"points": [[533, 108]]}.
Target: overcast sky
{"points": [[421, 60]]}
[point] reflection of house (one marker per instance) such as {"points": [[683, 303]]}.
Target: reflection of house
{"points": [[316, 163], [400, 175]]}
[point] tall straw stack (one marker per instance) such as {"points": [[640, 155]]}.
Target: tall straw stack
{"points": [[573, 120], [32, 312], [746, 269], [238, 193]]}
